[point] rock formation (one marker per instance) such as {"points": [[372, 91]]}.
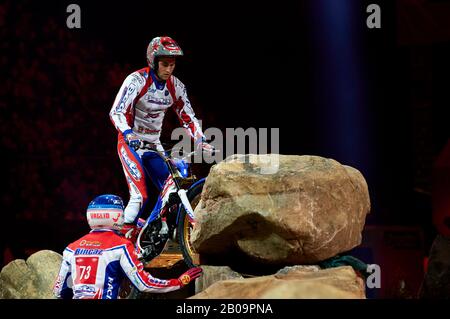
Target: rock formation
{"points": [[310, 209], [30, 279], [298, 283]]}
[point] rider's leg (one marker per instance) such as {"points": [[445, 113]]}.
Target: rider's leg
{"points": [[135, 175], [156, 168], [158, 174], [162, 179]]}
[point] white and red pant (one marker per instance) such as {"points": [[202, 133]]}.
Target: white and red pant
{"points": [[140, 168]]}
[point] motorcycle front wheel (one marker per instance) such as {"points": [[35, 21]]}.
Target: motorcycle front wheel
{"points": [[184, 228]]}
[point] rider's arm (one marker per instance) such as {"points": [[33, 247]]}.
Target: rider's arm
{"points": [[142, 280], [63, 285], [122, 110], [183, 108]]}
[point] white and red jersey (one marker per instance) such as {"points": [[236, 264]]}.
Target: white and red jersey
{"points": [[142, 102], [95, 265]]}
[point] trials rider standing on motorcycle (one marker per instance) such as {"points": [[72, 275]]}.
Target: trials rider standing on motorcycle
{"points": [[138, 112]]}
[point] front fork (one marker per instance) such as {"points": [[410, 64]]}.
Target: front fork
{"points": [[170, 186], [182, 193]]}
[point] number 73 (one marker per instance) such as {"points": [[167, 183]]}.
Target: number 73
{"points": [[85, 272]]}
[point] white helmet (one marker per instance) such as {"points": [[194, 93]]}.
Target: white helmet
{"points": [[105, 211], [162, 46]]}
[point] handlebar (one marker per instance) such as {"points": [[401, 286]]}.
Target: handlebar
{"points": [[152, 147], [166, 156]]}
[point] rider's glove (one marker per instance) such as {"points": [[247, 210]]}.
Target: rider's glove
{"points": [[131, 231], [132, 140], [208, 148], [189, 276], [205, 147], [140, 223], [128, 230]]}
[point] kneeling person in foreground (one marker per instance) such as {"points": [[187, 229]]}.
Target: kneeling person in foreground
{"points": [[94, 266]]}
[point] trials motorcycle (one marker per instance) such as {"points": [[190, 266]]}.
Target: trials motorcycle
{"points": [[178, 210]]}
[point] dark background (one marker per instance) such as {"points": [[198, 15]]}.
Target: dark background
{"points": [[374, 99]]}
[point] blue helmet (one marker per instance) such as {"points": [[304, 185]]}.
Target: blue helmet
{"points": [[105, 211]]}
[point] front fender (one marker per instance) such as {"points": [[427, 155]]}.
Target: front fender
{"points": [[200, 181]]}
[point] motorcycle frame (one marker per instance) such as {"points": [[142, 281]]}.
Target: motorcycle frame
{"points": [[174, 172]]}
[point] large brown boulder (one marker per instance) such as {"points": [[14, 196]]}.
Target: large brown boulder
{"points": [[30, 279], [298, 283], [309, 209]]}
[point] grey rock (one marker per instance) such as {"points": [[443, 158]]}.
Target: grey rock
{"points": [[30, 279], [212, 274], [333, 283]]}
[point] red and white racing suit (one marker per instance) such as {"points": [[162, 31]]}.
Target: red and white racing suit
{"points": [[139, 108], [94, 266]]}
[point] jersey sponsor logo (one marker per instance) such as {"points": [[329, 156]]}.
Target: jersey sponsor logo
{"points": [[144, 130], [87, 251], [121, 104], [84, 289], [109, 290], [157, 281], [127, 91], [132, 167], [158, 101], [138, 78], [90, 243]]}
